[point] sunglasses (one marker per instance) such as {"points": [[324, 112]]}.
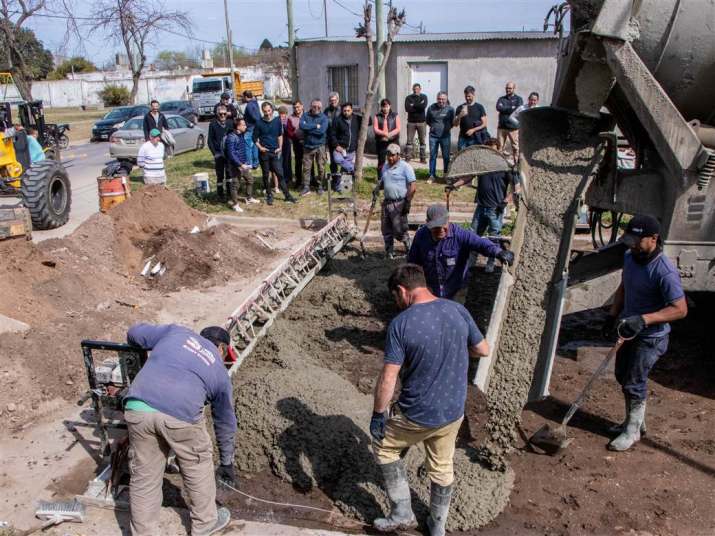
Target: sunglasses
{"points": [[222, 113]]}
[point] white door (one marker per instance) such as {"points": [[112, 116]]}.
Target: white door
{"points": [[432, 76]]}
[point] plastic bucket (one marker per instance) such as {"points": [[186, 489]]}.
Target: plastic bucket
{"points": [[112, 191], [201, 182]]}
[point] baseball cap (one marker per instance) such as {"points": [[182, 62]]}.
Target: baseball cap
{"points": [[154, 132], [216, 335], [393, 148], [437, 216], [638, 227]]}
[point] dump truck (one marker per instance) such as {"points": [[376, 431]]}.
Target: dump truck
{"points": [[633, 75], [207, 88]]}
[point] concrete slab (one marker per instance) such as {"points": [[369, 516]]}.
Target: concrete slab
{"points": [[10, 325]]}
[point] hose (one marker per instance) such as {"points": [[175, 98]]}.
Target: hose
{"points": [[597, 226]]}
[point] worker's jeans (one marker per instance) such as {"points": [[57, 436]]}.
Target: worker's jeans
{"points": [[345, 161], [401, 433], [270, 161], [488, 219], [287, 160], [393, 224], [310, 155], [239, 175], [151, 436], [420, 129], [251, 146], [443, 144], [634, 361]]}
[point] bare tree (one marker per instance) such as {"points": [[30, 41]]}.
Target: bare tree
{"points": [[14, 14], [395, 21], [135, 24]]}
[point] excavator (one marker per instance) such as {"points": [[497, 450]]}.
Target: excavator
{"points": [[634, 75], [43, 187]]}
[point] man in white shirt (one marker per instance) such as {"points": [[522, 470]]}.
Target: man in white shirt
{"points": [[151, 159]]}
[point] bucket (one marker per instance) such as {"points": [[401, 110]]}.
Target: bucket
{"points": [[112, 191], [201, 182]]}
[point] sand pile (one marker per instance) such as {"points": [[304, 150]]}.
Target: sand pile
{"points": [[559, 149], [304, 401]]}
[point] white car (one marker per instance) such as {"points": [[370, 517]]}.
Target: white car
{"points": [[124, 143]]}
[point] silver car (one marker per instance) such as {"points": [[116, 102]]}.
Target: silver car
{"points": [[124, 143]]}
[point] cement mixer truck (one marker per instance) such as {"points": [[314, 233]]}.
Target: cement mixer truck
{"points": [[637, 73]]}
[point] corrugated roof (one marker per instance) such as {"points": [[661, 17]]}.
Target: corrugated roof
{"points": [[432, 37]]}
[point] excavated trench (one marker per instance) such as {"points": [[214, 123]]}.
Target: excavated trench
{"points": [[304, 397]]}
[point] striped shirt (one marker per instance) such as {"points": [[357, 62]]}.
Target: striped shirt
{"points": [[151, 160]]}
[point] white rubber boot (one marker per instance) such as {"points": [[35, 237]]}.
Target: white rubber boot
{"points": [[398, 491], [617, 429], [632, 433], [440, 497]]}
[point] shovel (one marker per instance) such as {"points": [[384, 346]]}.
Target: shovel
{"points": [[554, 440]]}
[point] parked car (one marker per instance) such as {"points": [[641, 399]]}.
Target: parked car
{"points": [[179, 107], [124, 143], [115, 120]]}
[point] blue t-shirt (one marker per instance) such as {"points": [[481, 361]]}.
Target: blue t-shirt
{"points": [[649, 288], [268, 132], [430, 341], [395, 179]]}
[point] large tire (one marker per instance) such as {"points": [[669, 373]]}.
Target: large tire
{"points": [[47, 193]]}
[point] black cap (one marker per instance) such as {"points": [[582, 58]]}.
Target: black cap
{"points": [[225, 96], [437, 216], [216, 335], [638, 227]]}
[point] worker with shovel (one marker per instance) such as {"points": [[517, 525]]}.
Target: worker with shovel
{"points": [[428, 345], [649, 297], [164, 410]]}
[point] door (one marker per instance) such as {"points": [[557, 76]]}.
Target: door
{"points": [[180, 134], [432, 76]]}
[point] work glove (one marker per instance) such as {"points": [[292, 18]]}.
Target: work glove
{"points": [[608, 329], [631, 326], [377, 425], [406, 207], [506, 257], [225, 473]]}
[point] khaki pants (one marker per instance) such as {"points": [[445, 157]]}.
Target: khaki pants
{"points": [[151, 436], [317, 155], [513, 137], [401, 433], [420, 129]]}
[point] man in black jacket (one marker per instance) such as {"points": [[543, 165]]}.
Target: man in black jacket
{"points": [[507, 128], [218, 129], [415, 106], [231, 111], [343, 136], [154, 119]]}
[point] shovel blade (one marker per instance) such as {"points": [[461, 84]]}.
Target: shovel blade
{"points": [[550, 440]]}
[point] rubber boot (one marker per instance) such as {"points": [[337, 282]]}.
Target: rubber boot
{"points": [[398, 491], [617, 429], [440, 497], [632, 433]]}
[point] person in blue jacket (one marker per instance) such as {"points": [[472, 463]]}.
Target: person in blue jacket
{"points": [[314, 125], [164, 410], [252, 114]]}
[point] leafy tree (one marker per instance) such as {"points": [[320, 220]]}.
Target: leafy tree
{"points": [[219, 54], [169, 60], [38, 60], [76, 64]]}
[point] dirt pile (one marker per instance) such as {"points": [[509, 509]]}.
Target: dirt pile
{"points": [[88, 286], [304, 401], [560, 153]]}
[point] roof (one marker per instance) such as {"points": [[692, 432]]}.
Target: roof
{"points": [[433, 37]]}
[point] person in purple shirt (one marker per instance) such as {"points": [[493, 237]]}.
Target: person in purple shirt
{"points": [[164, 409], [443, 249], [649, 297]]}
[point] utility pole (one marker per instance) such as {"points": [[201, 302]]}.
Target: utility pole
{"points": [[325, 16], [292, 52], [380, 36], [229, 45]]}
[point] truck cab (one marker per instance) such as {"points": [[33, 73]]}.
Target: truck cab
{"points": [[206, 92]]}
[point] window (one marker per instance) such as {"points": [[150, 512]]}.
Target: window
{"points": [[182, 122], [134, 124], [173, 122], [344, 80]]}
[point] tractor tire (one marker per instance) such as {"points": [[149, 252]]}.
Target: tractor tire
{"points": [[47, 194]]}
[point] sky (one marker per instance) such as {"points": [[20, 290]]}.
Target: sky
{"points": [[253, 20]]}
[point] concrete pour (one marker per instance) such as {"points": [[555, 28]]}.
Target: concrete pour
{"points": [[303, 400], [559, 149]]}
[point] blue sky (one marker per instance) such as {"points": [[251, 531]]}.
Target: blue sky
{"points": [[253, 20]]}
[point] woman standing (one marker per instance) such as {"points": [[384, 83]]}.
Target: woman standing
{"points": [[386, 125]]}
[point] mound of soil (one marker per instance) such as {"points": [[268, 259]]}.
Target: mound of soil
{"points": [[304, 401]]}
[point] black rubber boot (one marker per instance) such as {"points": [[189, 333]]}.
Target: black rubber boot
{"points": [[398, 491], [440, 497]]}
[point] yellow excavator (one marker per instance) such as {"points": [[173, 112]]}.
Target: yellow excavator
{"points": [[43, 186]]}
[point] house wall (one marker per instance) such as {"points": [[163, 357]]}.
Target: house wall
{"points": [[487, 65]]}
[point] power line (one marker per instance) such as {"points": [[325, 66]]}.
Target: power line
{"points": [[347, 8]]}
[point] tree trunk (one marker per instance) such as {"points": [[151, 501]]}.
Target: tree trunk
{"points": [[135, 86], [24, 86], [366, 113]]}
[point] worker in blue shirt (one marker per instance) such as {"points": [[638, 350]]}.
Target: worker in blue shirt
{"points": [[398, 181], [36, 152], [164, 410], [268, 137], [649, 297], [443, 250]]}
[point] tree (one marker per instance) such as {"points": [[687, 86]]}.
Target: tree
{"points": [[135, 24], [24, 55], [395, 21], [115, 95], [169, 60], [219, 54], [76, 64]]}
